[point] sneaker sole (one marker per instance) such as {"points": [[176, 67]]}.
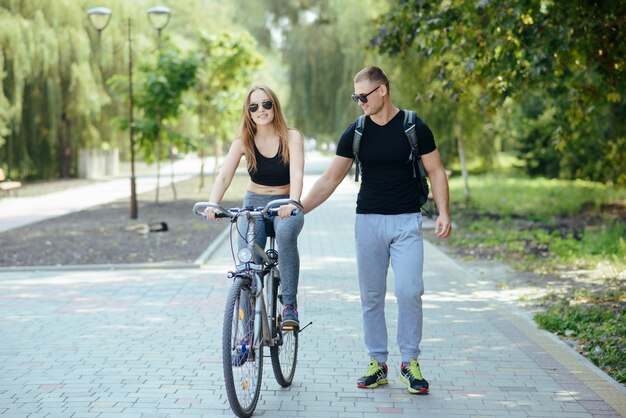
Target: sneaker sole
{"points": [[373, 385], [422, 391]]}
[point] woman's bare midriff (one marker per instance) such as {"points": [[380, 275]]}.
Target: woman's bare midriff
{"points": [[268, 190]]}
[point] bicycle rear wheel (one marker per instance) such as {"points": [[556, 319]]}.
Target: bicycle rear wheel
{"points": [[284, 353], [243, 366]]}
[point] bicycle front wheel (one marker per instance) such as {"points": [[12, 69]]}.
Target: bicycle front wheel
{"points": [[284, 352], [243, 365]]}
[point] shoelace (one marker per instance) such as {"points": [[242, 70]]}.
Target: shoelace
{"points": [[373, 369], [288, 308], [414, 370]]}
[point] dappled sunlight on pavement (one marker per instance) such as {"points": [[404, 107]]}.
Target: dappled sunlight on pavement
{"points": [[147, 342]]}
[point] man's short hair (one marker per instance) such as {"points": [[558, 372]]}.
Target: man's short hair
{"points": [[372, 73]]}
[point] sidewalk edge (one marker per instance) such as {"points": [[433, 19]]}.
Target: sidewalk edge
{"points": [[206, 255], [89, 267]]}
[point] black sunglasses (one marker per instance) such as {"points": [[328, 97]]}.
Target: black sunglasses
{"points": [[363, 97], [267, 105]]}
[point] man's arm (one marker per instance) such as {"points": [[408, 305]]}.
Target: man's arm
{"points": [[327, 183], [439, 185]]}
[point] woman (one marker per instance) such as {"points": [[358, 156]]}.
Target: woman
{"points": [[275, 158]]}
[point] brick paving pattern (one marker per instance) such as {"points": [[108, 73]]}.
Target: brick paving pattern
{"points": [[146, 343]]}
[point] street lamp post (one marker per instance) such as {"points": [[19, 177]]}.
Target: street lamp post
{"points": [[131, 129], [99, 18], [159, 17]]}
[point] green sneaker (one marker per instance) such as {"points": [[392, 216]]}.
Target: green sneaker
{"points": [[412, 377], [375, 375]]}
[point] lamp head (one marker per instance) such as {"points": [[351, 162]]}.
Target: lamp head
{"points": [[99, 17], [159, 17]]}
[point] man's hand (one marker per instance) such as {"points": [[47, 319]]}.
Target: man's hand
{"points": [[443, 226]]}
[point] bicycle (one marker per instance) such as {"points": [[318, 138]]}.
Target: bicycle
{"points": [[252, 319]]}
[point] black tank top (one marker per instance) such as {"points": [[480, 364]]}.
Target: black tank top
{"points": [[269, 171]]}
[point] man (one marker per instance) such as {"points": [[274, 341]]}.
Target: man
{"points": [[388, 225]]}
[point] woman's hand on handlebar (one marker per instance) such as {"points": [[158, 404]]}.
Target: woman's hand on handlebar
{"points": [[210, 214], [285, 211]]}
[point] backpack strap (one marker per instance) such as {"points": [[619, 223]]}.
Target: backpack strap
{"points": [[409, 130], [356, 143]]}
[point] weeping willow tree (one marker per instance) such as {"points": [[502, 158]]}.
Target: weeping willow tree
{"points": [[54, 67], [324, 48], [48, 90]]}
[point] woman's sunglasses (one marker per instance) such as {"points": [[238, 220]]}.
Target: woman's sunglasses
{"points": [[363, 97], [267, 105]]}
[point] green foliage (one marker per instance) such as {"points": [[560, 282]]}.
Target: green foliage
{"points": [[517, 219], [571, 52], [54, 67], [159, 97], [228, 62], [48, 93], [324, 45], [537, 198], [597, 321]]}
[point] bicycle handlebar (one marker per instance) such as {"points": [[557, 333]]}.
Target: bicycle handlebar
{"points": [[270, 209]]}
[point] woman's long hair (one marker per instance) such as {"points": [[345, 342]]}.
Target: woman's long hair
{"points": [[249, 129]]}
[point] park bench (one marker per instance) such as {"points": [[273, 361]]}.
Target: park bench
{"points": [[7, 185]]}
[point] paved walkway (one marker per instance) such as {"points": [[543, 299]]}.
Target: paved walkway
{"points": [[146, 343], [21, 211]]}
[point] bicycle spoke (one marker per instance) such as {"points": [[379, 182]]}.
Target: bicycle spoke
{"points": [[242, 364], [285, 352]]}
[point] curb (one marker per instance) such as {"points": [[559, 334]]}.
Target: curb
{"points": [[206, 255], [88, 267], [604, 386]]}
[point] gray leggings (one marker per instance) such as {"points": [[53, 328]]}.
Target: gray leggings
{"points": [[287, 231], [381, 239]]}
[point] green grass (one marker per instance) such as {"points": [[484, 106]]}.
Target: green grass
{"points": [[597, 321], [551, 226], [524, 219], [536, 198]]}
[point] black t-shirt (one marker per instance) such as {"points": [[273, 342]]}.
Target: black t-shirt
{"points": [[387, 183]]}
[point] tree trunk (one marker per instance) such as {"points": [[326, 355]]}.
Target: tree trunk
{"points": [[459, 144], [65, 148], [201, 180], [158, 162], [172, 183]]}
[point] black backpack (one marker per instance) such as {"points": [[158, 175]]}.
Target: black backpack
{"points": [[414, 157]]}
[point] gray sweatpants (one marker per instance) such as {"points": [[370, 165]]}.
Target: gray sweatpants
{"points": [[379, 240], [287, 231]]}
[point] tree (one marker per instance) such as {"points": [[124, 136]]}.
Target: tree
{"points": [[159, 99], [573, 51], [48, 92], [324, 43], [228, 61]]}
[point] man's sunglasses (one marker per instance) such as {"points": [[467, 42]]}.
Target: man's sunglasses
{"points": [[267, 105], [363, 97]]}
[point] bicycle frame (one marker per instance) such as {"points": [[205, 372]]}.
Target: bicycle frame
{"points": [[257, 272]]}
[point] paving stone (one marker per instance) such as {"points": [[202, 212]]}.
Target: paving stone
{"points": [[146, 343]]}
